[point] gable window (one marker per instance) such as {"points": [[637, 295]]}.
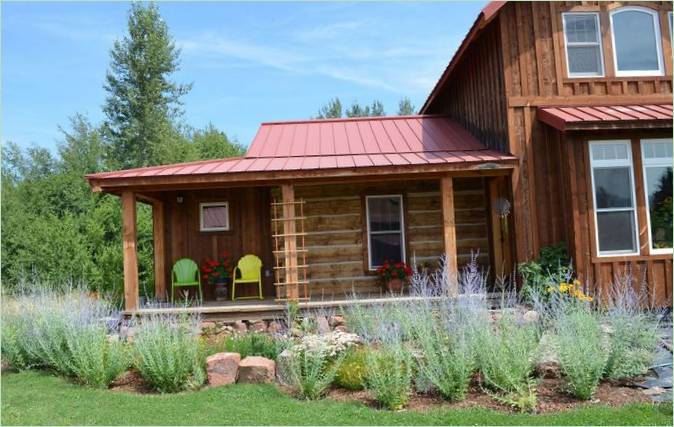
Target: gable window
{"points": [[657, 162], [385, 237], [214, 216], [583, 45], [637, 49], [614, 199]]}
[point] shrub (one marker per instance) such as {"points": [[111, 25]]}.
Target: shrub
{"points": [[96, 359], [448, 363], [389, 375], [167, 353], [15, 326], [351, 373], [311, 371], [581, 349], [254, 344], [551, 268]]}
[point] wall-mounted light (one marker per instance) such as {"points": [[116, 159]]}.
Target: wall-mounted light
{"points": [[179, 199]]}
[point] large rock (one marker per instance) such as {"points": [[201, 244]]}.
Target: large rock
{"points": [[283, 367], [322, 325], [547, 363], [275, 327], [239, 327], [257, 370], [336, 320], [222, 368], [259, 326]]}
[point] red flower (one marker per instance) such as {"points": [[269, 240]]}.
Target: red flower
{"points": [[394, 273]]}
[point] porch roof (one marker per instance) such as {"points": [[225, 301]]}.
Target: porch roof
{"points": [[330, 147], [585, 117]]}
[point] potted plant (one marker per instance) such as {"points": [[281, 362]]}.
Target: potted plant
{"points": [[216, 272], [393, 274]]}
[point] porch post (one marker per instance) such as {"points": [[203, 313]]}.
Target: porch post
{"points": [[130, 256], [449, 232], [290, 242], [159, 250]]}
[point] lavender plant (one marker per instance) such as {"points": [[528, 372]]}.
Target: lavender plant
{"points": [[167, 352], [312, 370]]}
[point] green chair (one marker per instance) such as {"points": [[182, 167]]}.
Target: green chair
{"points": [[185, 273], [250, 269]]}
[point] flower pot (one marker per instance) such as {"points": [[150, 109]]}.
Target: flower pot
{"points": [[221, 290], [394, 285]]}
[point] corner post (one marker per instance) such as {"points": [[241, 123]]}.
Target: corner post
{"points": [[449, 233], [159, 250], [290, 242], [130, 255]]}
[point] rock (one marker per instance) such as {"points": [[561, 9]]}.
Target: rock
{"points": [[222, 368], [239, 327], [275, 327], [341, 328], [127, 333], [654, 391], [531, 316], [322, 325], [283, 362], [606, 328], [336, 320], [549, 369], [296, 332], [257, 370], [259, 326], [207, 326]]}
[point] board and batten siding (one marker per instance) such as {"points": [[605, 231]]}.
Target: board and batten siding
{"points": [[336, 239]]}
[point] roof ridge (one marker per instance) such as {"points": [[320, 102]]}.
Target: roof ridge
{"points": [[353, 119]]}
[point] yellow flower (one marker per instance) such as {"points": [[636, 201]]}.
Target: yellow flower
{"points": [[563, 287], [551, 289]]}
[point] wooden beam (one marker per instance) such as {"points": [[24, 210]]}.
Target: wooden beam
{"points": [[159, 250], [290, 242], [130, 255], [449, 232], [499, 228], [535, 101]]}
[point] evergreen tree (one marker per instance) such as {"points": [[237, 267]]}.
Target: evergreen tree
{"points": [[211, 143], [142, 102], [333, 110], [405, 107]]}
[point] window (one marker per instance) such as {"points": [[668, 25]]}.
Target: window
{"points": [[657, 160], [214, 216], [385, 239], [583, 45], [613, 191], [637, 46], [669, 17]]}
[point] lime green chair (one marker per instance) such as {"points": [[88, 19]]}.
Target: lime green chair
{"points": [[185, 273], [250, 269]]}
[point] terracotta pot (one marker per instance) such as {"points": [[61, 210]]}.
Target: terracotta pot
{"points": [[394, 285]]}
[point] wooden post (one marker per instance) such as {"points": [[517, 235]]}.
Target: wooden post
{"points": [[130, 256], [290, 242], [500, 236], [159, 250], [449, 233]]}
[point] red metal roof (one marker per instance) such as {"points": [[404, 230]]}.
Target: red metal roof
{"points": [[339, 144], [612, 116]]}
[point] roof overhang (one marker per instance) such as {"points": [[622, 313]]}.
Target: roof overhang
{"points": [[606, 117]]}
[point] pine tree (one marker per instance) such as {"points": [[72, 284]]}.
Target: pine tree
{"points": [[142, 102], [405, 107], [333, 110]]}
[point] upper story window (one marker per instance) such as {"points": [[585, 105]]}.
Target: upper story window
{"points": [[214, 216], [657, 162], [583, 45], [637, 49], [614, 198]]}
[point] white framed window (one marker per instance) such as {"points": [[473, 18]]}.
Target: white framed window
{"points": [[214, 216], [584, 57], [614, 197], [669, 18], [656, 157], [385, 225], [637, 44]]}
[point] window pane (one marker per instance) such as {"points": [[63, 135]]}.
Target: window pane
{"points": [[657, 150], [616, 231], [609, 151], [385, 247], [580, 28], [659, 187], [635, 42], [214, 216], [384, 213], [584, 59], [612, 187]]}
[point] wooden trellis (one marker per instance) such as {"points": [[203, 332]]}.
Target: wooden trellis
{"points": [[290, 254]]}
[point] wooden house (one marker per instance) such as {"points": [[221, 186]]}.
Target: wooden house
{"points": [[553, 122]]}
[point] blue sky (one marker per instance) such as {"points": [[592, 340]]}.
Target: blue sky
{"points": [[249, 62]]}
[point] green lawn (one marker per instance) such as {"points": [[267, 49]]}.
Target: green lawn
{"points": [[33, 398]]}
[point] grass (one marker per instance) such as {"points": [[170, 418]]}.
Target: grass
{"points": [[34, 398]]}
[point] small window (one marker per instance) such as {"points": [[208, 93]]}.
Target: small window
{"points": [[657, 161], [637, 46], [214, 216], [583, 45], [613, 191], [385, 239]]}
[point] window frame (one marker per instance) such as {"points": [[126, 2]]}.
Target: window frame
{"points": [[370, 232], [202, 205], [629, 163], [644, 164], [658, 43], [602, 72]]}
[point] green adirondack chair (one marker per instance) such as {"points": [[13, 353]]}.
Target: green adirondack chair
{"points": [[185, 273], [250, 269]]}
